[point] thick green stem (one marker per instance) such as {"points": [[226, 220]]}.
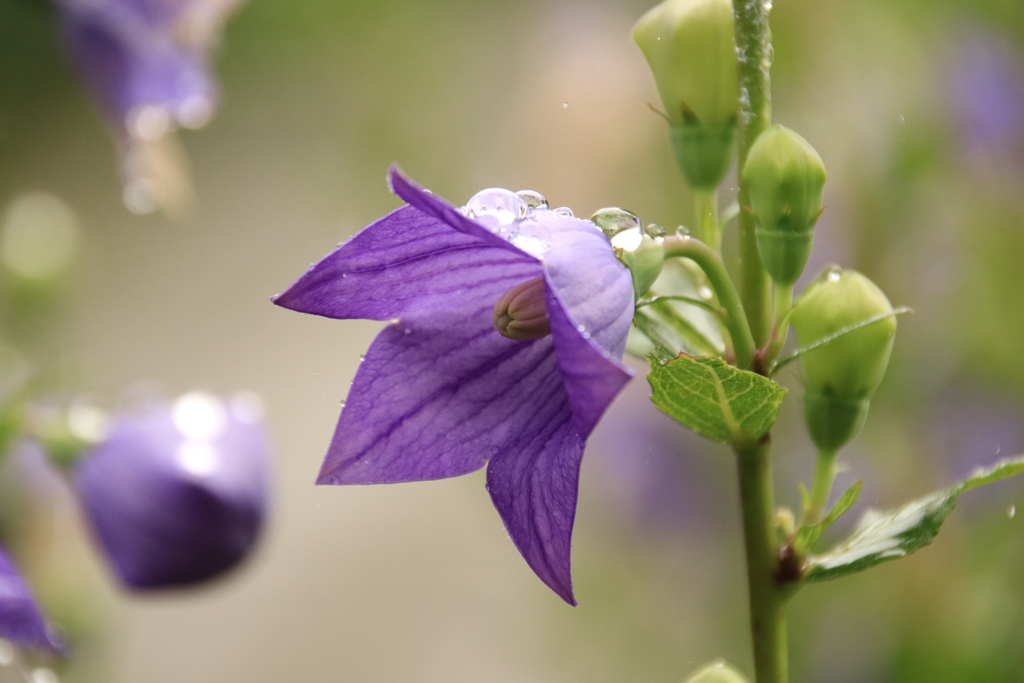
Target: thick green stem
{"points": [[709, 229], [824, 475], [753, 47], [766, 592], [710, 262]]}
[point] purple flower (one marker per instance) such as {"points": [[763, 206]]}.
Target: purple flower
{"points": [[177, 494], [20, 619], [147, 64], [441, 391]]}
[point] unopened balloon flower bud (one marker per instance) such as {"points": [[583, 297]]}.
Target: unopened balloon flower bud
{"points": [[842, 374], [522, 312], [717, 672], [690, 48], [177, 494], [785, 176]]}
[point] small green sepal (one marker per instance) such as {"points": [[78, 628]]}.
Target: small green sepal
{"points": [[703, 153]]}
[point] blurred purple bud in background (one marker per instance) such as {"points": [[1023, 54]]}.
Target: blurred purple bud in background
{"points": [[177, 494], [147, 64], [20, 619]]}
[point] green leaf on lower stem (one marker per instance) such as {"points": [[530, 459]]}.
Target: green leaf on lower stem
{"points": [[715, 399], [892, 534]]}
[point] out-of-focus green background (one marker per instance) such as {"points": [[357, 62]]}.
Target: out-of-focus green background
{"points": [[917, 108]]}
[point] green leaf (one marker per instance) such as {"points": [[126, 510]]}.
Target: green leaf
{"points": [[892, 534], [807, 536], [716, 399]]}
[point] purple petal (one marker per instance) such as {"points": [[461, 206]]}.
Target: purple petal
{"points": [[438, 396], [443, 211], [406, 262], [172, 508], [534, 485], [592, 378], [20, 619]]}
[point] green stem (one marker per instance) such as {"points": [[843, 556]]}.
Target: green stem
{"points": [[710, 262], [708, 229], [782, 301], [824, 475], [753, 46], [766, 593]]}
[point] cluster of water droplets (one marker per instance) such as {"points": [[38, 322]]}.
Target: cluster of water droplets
{"points": [[505, 212], [624, 228]]}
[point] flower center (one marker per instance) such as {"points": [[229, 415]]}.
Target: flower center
{"points": [[522, 312]]}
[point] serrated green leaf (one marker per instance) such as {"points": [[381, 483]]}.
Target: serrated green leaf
{"points": [[716, 399], [807, 536], [889, 535]]}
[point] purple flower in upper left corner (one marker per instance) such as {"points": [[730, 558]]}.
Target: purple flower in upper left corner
{"points": [[147, 64], [21, 622], [508, 322]]}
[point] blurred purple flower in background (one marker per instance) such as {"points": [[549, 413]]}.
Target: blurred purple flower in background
{"points": [[441, 391], [146, 63], [986, 86], [20, 619], [177, 494]]}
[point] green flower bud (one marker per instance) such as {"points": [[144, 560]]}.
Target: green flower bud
{"points": [[785, 177], [717, 672], [841, 375], [690, 48]]}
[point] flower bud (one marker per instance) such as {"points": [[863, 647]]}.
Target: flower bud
{"points": [[521, 313], [785, 177], [717, 672], [177, 495], [842, 374], [690, 48]]}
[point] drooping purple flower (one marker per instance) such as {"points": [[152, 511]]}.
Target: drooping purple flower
{"points": [[177, 494], [21, 622], [442, 391], [147, 63]]}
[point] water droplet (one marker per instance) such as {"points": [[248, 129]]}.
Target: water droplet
{"points": [[533, 200], [834, 274], [531, 245], [342, 404], [494, 450], [705, 293], [362, 357], [768, 6], [628, 240], [407, 331], [565, 105], [500, 205], [613, 220], [655, 231], [1011, 512], [564, 212], [682, 231], [581, 328]]}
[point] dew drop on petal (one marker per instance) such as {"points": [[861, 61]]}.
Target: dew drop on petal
{"points": [[531, 245], [502, 206], [532, 199], [564, 212]]}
